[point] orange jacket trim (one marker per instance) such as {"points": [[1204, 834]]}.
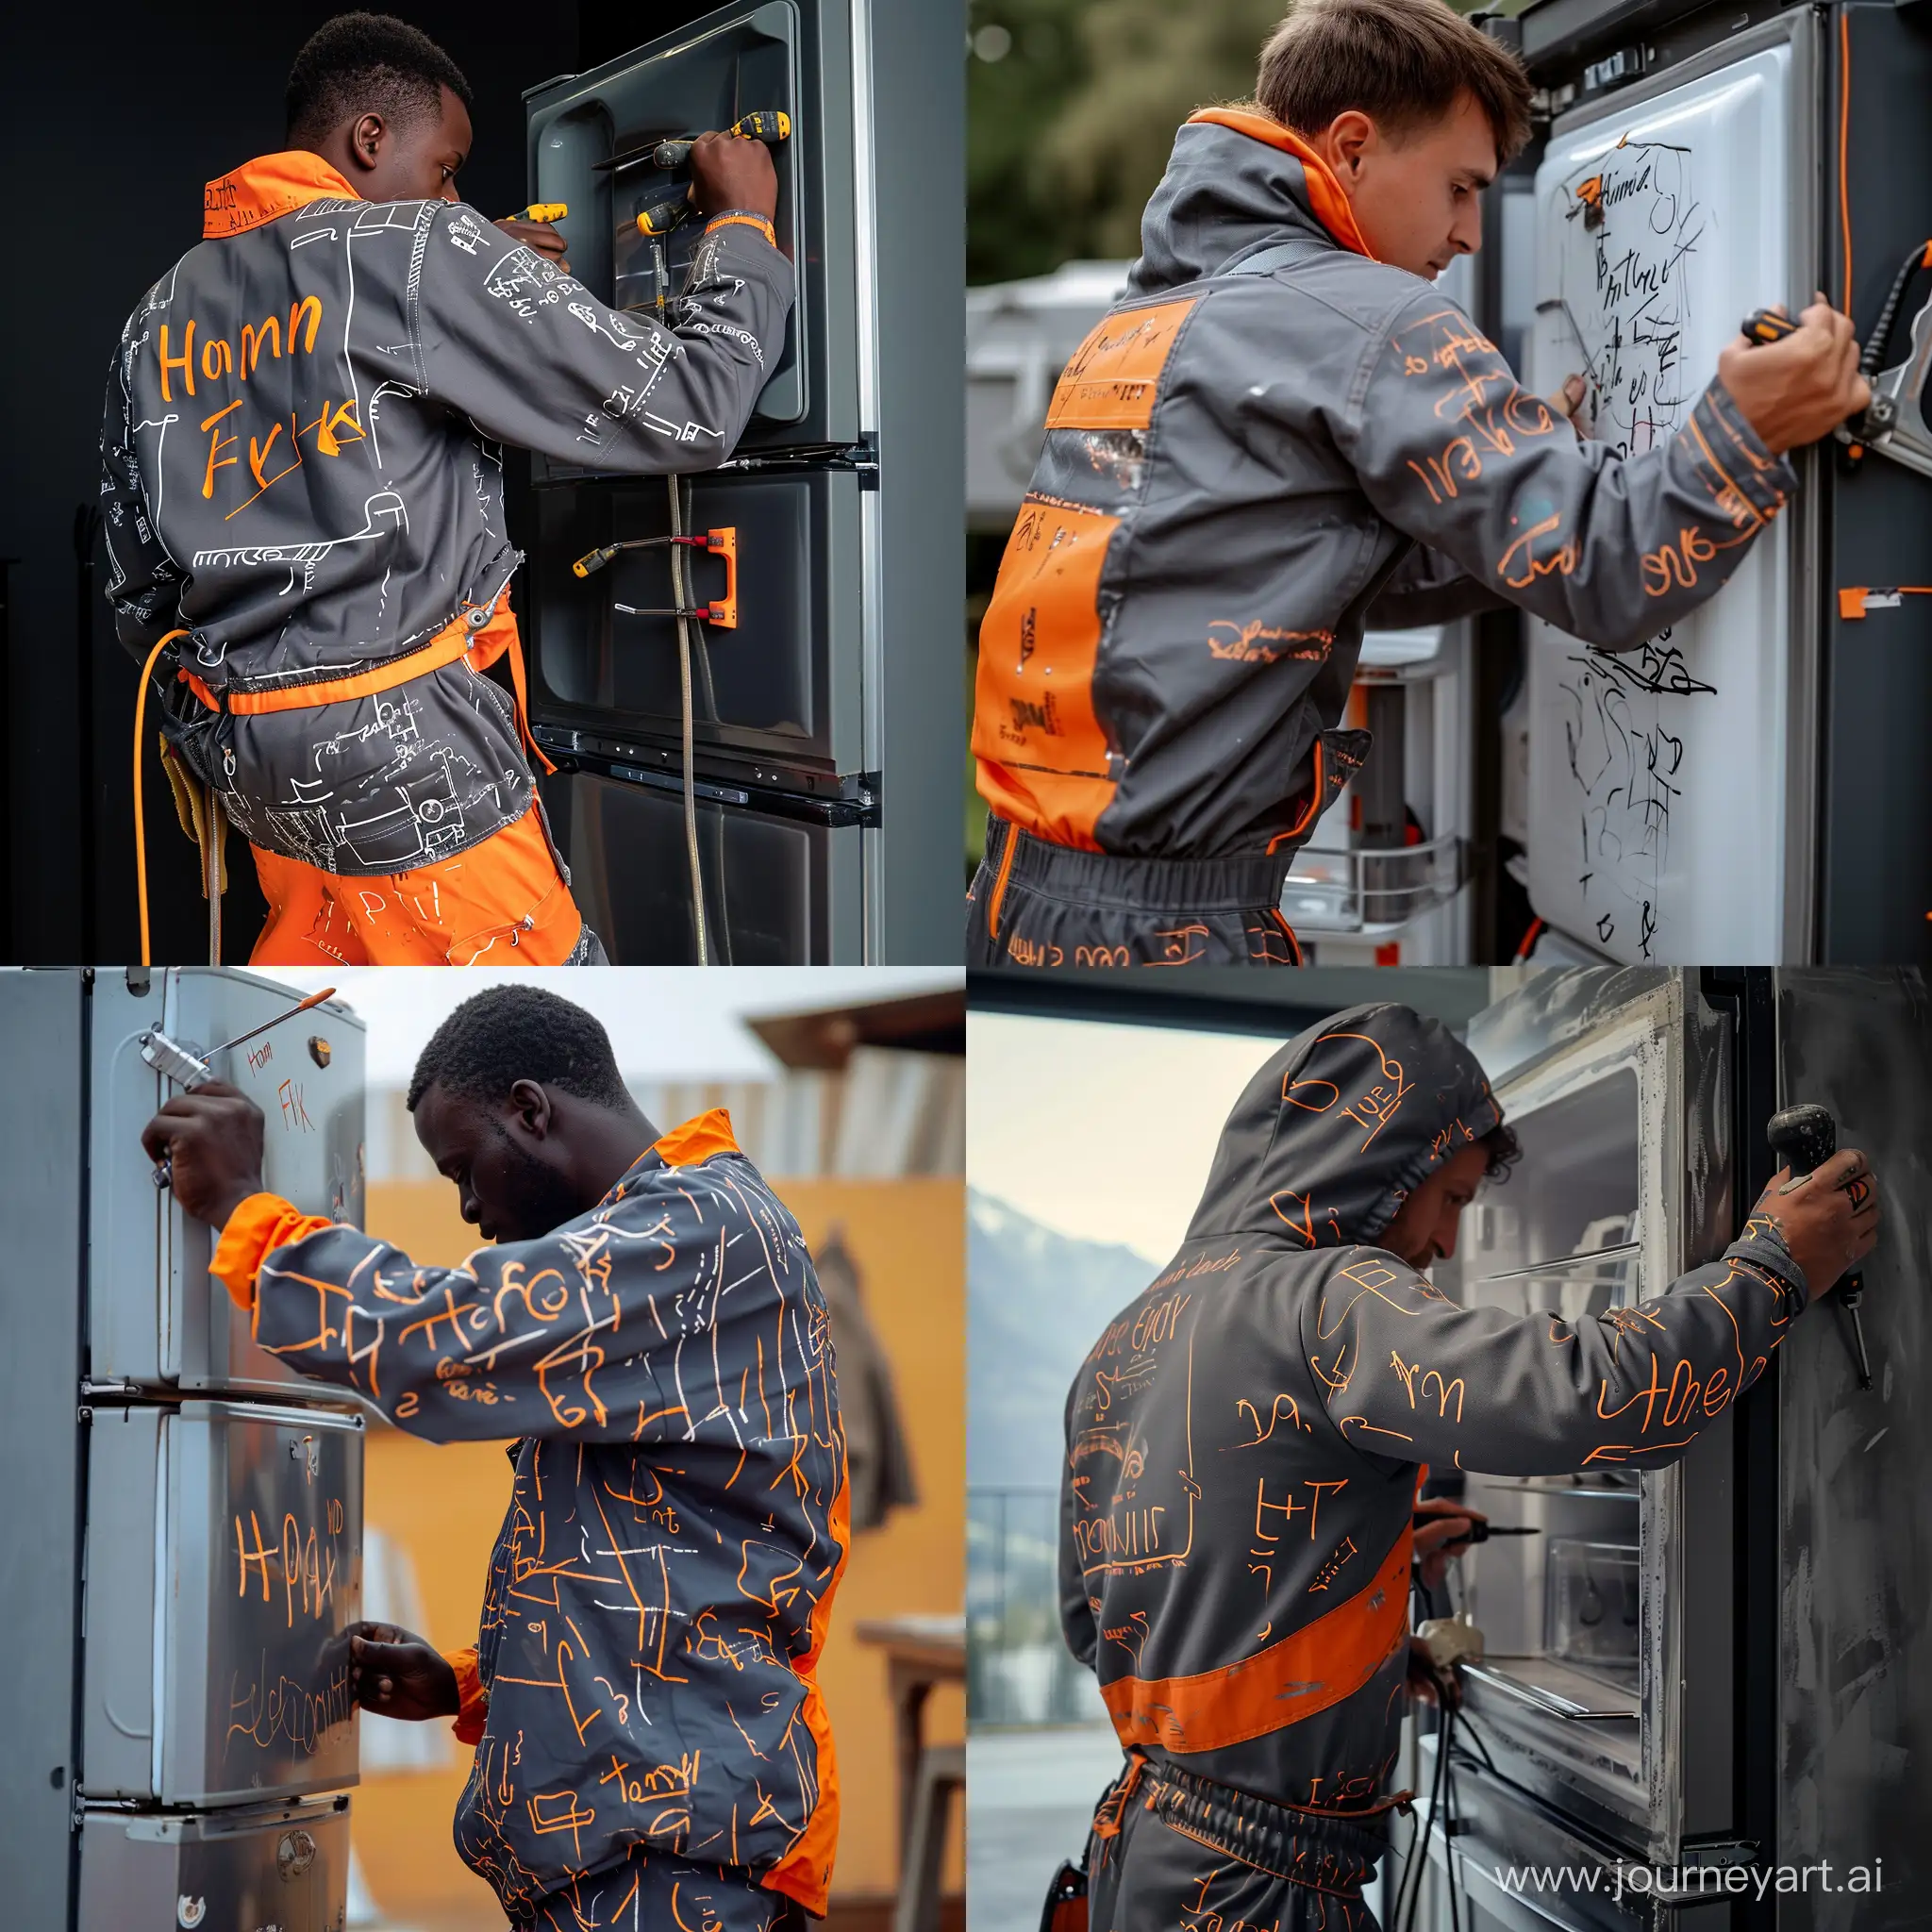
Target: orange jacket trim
{"points": [[1308, 1671], [473, 1695], [262, 1224], [697, 1139], [764, 227], [804, 1873], [266, 189], [1332, 207]]}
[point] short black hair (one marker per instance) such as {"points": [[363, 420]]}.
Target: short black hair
{"points": [[517, 1032], [368, 62], [1504, 1149]]}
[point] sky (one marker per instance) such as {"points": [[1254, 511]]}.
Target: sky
{"points": [[1102, 1132], [666, 1022]]}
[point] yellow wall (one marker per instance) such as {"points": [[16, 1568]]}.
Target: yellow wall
{"points": [[444, 1504]]}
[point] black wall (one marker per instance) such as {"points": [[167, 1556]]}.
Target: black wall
{"points": [[115, 115]]}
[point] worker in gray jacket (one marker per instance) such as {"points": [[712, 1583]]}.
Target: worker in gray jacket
{"points": [[1242, 458], [1244, 1446], [303, 485]]}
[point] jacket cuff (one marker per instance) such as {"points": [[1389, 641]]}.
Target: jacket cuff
{"points": [[262, 1224], [473, 1695], [1761, 1248], [1748, 484], [743, 218]]}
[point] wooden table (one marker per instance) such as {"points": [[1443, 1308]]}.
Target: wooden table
{"points": [[920, 1653]]}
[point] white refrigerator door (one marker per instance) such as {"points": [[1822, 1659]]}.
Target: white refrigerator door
{"points": [[1658, 778]]}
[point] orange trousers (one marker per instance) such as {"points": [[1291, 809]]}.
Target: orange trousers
{"points": [[501, 902]]}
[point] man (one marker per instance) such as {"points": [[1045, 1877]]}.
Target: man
{"points": [[1242, 456], [652, 1749], [304, 499], [1242, 1451]]}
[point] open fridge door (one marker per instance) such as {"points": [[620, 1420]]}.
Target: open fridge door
{"points": [[1667, 820]]}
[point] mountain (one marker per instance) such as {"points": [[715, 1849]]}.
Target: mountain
{"points": [[1037, 1302]]}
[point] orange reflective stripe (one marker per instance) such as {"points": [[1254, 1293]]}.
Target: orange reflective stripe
{"points": [[1114, 378], [1314, 804], [199, 689], [1332, 207], [1043, 753], [1308, 1671], [999, 884], [697, 1139], [515, 648]]}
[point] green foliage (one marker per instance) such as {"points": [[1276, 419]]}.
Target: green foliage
{"points": [[1069, 127]]}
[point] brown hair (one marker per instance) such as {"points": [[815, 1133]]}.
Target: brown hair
{"points": [[1401, 62]]}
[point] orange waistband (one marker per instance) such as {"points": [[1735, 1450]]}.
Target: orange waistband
{"points": [[482, 647]]}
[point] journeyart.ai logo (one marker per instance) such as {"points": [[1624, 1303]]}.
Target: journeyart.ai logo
{"points": [[1676, 1883]]}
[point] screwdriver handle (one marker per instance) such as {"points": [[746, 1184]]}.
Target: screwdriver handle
{"points": [[1804, 1139], [543, 211], [660, 216], [1767, 325], [767, 124]]}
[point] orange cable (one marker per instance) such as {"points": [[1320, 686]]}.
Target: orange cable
{"points": [[147, 671]]}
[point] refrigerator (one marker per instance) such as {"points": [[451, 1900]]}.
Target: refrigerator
{"points": [[185, 1515], [1715, 1666], [1747, 784], [824, 701]]}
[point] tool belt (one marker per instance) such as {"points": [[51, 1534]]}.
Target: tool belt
{"points": [[1326, 1849]]}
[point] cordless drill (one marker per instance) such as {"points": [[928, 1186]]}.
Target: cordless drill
{"points": [[1803, 1137]]}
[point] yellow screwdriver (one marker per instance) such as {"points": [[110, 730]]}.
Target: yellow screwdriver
{"points": [[770, 124], [543, 211]]}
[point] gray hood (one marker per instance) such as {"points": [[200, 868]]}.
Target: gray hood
{"points": [[1223, 192], [1341, 1126]]}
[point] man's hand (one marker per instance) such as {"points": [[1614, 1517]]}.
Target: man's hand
{"points": [[542, 236], [1802, 387], [397, 1674], [213, 1139], [1829, 1221], [1568, 404], [733, 171], [1444, 1536]]}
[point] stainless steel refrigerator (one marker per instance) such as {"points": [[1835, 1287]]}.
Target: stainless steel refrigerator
{"points": [[1747, 784], [185, 1515], [825, 704], [1719, 1665]]}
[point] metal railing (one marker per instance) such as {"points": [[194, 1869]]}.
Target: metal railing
{"points": [[1373, 892], [1018, 1668]]}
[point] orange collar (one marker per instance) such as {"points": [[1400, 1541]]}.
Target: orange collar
{"points": [[697, 1139], [267, 188], [1331, 206]]}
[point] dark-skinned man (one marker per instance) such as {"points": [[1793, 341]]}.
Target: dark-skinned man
{"points": [[652, 1749], [302, 491], [1246, 1441]]}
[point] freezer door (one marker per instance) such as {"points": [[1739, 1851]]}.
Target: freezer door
{"points": [[592, 140], [781, 685], [1664, 823], [282, 1868], [780, 890], [157, 1317], [1855, 1539], [1592, 1626], [223, 1565]]}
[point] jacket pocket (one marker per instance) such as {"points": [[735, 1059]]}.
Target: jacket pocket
{"points": [[1339, 756]]}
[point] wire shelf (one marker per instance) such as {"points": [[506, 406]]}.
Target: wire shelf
{"points": [[1373, 892]]}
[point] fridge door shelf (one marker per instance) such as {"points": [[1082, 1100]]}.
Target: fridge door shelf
{"points": [[1372, 893], [281, 1866], [224, 1566], [156, 1318]]}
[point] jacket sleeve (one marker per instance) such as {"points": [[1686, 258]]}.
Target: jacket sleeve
{"points": [[600, 1332], [145, 583], [1076, 1613], [534, 359], [1405, 1373], [1429, 588], [1452, 451]]}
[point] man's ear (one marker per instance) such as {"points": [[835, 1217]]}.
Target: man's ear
{"points": [[1350, 134], [366, 139], [532, 1106]]}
